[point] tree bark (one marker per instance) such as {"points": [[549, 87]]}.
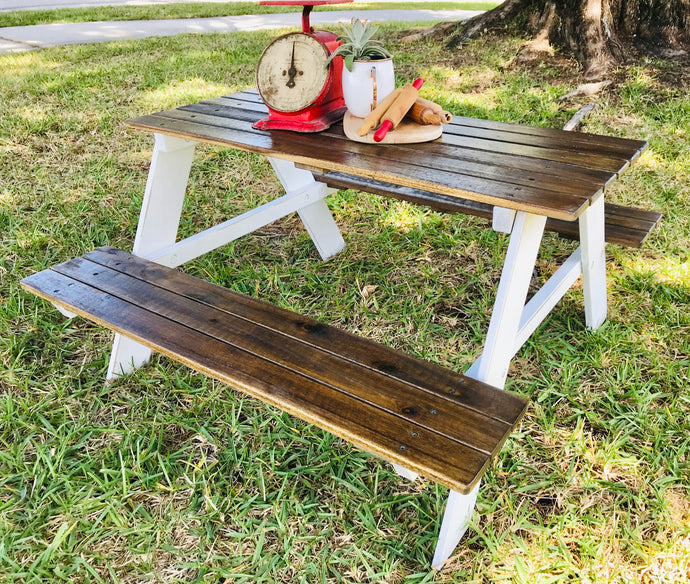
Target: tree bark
{"points": [[599, 33]]}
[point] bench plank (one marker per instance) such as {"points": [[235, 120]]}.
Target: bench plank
{"points": [[368, 353], [352, 387], [624, 225]]}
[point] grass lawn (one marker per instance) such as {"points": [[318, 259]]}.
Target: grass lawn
{"points": [[167, 476]]}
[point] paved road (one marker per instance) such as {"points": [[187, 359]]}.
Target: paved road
{"points": [[23, 38]]}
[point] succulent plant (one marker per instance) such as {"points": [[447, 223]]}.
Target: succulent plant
{"points": [[359, 44]]}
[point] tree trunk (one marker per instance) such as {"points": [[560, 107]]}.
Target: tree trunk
{"points": [[600, 33]]}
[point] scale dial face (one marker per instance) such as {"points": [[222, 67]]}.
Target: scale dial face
{"points": [[293, 71]]}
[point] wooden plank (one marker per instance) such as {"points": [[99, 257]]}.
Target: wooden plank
{"points": [[620, 148], [609, 153], [235, 101], [630, 148], [435, 200], [331, 369], [538, 170], [548, 169], [452, 386], [248, 95], [369, 427], [627, 226], [620, 151], [583, 159], [626, 146], [638, 215], [366, 427]]}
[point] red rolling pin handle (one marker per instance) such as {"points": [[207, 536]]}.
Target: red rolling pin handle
{"points": [[387, 124]]}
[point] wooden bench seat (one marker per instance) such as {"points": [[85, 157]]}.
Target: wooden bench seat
{"points": [[624, 225], [412, 413]]}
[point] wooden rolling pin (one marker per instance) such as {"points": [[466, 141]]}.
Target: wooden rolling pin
{"points": [[372, 120], [421, 105], [423, 114], [398, 109]]}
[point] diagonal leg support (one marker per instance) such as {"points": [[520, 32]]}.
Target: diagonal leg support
{"points": [[158, 223], [499, 348], [492, 366], [316, 217], [160, 216], [405, 473], [456, 518]]}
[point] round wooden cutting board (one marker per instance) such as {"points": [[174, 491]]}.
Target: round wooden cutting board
{"points": [[407, 132]]}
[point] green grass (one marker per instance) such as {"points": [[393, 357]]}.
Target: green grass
{"points": [[167, 476], [204, 10]]}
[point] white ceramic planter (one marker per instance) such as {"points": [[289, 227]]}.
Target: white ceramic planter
{"points": [[367, 84]]}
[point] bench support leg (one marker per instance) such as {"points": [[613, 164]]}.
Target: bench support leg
{"points": [[405, 473], [593, 263], [503, 220], [316, 217], [455, 521], [499, 347], [160, 216], [510, 322], [158, 223]]}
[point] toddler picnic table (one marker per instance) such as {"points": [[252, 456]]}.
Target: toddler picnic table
{"points": [[420, 417]]}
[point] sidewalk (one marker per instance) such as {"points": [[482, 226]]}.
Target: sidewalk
{"points": [[24, 38], [6, 5]]}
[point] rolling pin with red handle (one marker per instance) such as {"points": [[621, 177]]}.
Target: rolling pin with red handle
{"points": [[398, 109], [372, 120]]}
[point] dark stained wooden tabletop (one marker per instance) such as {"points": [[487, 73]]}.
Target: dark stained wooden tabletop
{"points": [[544, 171]]}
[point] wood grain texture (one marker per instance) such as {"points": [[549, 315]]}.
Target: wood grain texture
{"points": [[545, 171], [486, 164], [410, 412], [425, 171]]}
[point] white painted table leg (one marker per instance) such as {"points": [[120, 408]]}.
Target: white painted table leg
{"points": [[502, 220], [66, 313], [593, 263], [456, 518], [499, 347], [159, 220], [316, 216], [405, 473], [166, 186], [322, 229]]}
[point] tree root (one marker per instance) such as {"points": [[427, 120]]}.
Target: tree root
{"points": [[585, 90]]}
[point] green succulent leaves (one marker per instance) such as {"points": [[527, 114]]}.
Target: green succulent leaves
{"points": [[359, 44]]}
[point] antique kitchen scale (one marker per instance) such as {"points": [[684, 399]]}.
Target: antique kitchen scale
{"points": [[302, 90]]}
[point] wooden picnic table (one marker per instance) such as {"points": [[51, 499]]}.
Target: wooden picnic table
{"points": [[522, 176]]}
